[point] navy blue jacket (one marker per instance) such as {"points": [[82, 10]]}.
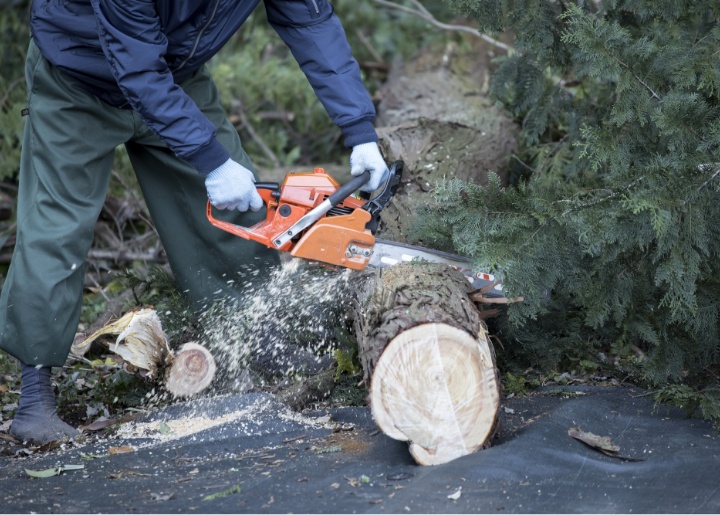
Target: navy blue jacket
{"points": [[133, 53]]}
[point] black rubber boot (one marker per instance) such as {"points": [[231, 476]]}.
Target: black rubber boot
{"points": [[36, 420]]}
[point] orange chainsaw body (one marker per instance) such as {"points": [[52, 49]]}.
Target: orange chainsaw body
{"points": [[339, 237]]}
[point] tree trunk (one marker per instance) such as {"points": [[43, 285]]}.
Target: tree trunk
{"points": [[436, 115], [427, 359]]}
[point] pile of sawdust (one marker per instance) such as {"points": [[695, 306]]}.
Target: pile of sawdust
{"points": [[246, 420]]}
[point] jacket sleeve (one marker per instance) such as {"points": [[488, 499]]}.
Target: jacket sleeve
{"points": [[135, 47], [317, 40]]}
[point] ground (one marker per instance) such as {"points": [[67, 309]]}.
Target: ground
{"points": [[262, 458]]}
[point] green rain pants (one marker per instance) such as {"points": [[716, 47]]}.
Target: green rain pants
{"points": [[68, 148]]}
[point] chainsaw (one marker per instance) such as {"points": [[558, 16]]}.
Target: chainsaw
{"points": [[311, 216]]}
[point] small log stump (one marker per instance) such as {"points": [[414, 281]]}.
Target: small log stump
{"points": [[428, 361], [191, 370], [142, 347]]}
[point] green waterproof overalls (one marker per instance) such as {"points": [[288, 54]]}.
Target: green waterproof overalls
{"points": [[68, 148]]}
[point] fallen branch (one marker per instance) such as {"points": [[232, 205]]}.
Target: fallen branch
{"points": [[245, 123], [422, 12]]}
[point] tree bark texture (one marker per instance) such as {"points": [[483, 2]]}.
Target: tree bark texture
{"points": [[427, 360], [435, 114]]}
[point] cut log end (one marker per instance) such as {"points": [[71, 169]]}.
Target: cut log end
{"points": [[436, 386], [191, 371]]}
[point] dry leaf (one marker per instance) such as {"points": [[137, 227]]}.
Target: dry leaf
{"points": [[102, 423], [123, 473], [234, 490], [601, 443], [56, 471], [121, 450], [161, 497]]}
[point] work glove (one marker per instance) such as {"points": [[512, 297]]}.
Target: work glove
{"points": [[232, 186], [367, 157]]}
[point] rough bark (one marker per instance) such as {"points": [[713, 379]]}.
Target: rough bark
{"points": [[427, 359], [436, 116]]}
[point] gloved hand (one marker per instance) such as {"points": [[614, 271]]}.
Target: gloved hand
{"points": [[367, 157], [232, 186]]}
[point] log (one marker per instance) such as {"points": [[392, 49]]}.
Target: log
{"points": [[435, 114], [191, 371], [142, 346], [427, 359], [140, 340]]}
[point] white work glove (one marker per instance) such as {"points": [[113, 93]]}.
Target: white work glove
{"points": [[232, 186], [367, 157]]}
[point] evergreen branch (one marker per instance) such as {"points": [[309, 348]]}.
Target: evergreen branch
{"points": [[423, 13], [706, 183], [712, 177], [595, 202], [654, 95], [531, 237]]}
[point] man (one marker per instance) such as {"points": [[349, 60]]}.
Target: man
{"points": [[101, 73]]}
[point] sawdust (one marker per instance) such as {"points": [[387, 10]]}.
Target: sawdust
{"points": [[246, 421], [285, 325], [179, 428]]}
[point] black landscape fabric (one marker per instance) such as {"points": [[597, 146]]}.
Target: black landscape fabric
{"points": [[261, 458]]}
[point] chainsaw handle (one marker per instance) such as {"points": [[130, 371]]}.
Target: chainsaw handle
{"points": [[274, 187], [268, 192], [349, 188]]}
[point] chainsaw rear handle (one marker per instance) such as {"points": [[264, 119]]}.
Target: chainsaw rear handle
{"points": [[268, 191], [383, 198]]}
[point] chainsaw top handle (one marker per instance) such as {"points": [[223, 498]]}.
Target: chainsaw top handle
{"points": [[274, 188], [349, 188]]}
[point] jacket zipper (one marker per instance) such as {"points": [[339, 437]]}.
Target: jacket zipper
{"points": [[200, 33], [317, 9]]}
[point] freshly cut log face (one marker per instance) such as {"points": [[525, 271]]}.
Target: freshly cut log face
{"points": [[192, 370], [435, 386], [426, 355]]}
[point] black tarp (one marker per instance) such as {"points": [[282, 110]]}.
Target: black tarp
{"points": [[274, 461]]}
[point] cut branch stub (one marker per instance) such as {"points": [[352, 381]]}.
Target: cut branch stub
{"points": [[191, 371]]}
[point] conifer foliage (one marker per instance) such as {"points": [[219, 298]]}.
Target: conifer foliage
{"points": [[612, 233]]}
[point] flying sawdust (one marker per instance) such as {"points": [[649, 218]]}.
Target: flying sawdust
{"points": [[285, 324]]}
